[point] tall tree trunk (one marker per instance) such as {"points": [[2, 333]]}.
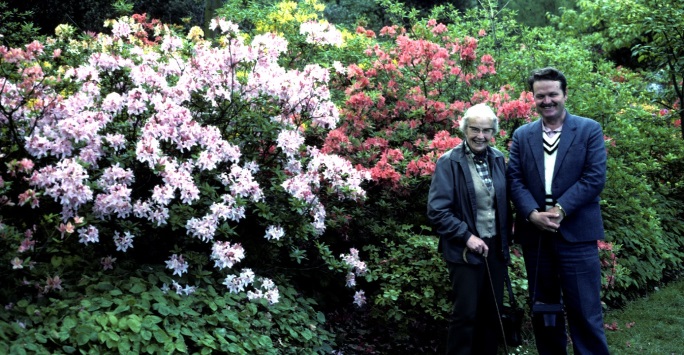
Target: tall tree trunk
{"points": [[210, 7]]}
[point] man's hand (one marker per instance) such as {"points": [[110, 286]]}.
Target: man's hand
{"points": [[547, 221], [477, 245]]}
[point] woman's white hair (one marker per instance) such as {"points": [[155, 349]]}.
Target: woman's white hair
{"points": [[482, 111]]}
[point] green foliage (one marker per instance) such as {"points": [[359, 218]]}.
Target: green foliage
{"points": [[536, 14], [16, 27], [186, 13], [650, 30], [352, 13], [411, 278], [639, 201], [129, 313]]}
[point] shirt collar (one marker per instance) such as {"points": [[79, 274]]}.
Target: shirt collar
{"points": [[551, 132], [478, 158]]}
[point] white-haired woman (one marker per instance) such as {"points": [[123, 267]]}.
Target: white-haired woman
{"points": [[469, 210]]}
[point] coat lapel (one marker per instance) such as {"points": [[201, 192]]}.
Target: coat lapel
{"points": [[568, 135], [535, 142]]}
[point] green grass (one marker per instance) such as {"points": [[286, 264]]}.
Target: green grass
{"points": [[653, 324]]}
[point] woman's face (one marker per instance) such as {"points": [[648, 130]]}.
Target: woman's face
{"points": [[479, 132]]}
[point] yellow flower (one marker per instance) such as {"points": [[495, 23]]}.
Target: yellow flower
{"points": [[64, 31], [195, 33]]}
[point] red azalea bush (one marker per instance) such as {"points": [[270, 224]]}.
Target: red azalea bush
{"points": [[401, 112]]}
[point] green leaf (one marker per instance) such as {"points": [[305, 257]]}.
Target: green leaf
{"points": [[179, 344], [150, 321], [134, 323], [68, 323], [112, 318], [113, 336], [138, 288], [83, 335], [160, 336], [104, 286], [146, 334]]}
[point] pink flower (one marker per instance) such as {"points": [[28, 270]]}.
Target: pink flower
{"points": [[17, 263], [177, 264], [53, 283], [65, 228], [225, 255], [321, 33], [360, 298], [26, 244], [290, 141], [441, 28], [89, 234], [354, 262], [123, 242], [274, 232], [107, 263]]}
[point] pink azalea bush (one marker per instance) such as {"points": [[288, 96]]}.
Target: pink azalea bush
{"points": [[166, 142]]}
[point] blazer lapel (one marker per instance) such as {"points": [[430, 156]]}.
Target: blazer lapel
{"points": [[568, 135], [536, 145]]}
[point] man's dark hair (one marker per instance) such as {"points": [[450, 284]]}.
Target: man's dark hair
{"points": [[548, 73]]}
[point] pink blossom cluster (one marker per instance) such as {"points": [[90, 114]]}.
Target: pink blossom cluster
{"points": [[343, 178], [360, 298], [355, 265], [274, 232], [74, 139], [356, 268], [267, 290], [238, 283], [89, 234], [290, 141], [178, 264], [205, 227], [123, 242], [65, 182], [187, 290], [321, 32], [116, 198], [225, 254]]}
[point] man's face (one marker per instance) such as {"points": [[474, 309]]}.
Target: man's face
{"points": [[479, 133], [550, 100]]}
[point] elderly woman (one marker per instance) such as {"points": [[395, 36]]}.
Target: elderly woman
{"points": [[469, 210]]}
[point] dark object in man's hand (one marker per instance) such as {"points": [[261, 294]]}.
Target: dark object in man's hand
{"points": [[548, 311]]}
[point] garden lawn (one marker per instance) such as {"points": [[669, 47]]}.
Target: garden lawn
{"points": [[653, 324]]}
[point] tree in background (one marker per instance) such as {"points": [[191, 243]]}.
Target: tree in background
{"points": [[15, 26], [651, 31]]}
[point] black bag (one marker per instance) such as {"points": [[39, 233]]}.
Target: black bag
{"points": [[511, 318], [548, 312]]}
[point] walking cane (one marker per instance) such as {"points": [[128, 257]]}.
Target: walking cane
{"points": [[496, 304]]}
